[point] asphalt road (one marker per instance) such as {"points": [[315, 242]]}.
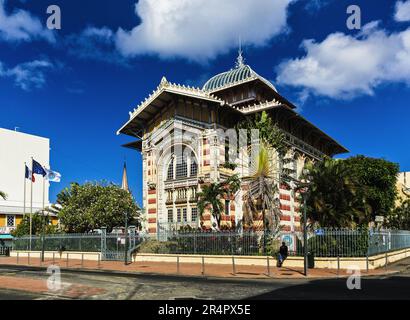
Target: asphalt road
{"points": [[114, 287]]}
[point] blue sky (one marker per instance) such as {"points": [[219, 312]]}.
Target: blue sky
{"points": [[76, 85]]}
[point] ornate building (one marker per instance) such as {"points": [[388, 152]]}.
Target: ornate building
{"points": [[178, 133]]}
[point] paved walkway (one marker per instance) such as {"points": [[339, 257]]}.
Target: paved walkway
{"points": [[71, 291], [190, 269]]}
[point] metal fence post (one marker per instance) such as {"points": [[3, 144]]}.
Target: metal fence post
{"points": [[233, 266], [67, 259], [82, 260], [203, 265], [268, 265], [28, 255], [177, 264], [17, 257], [99, 260], [338, 265], [195, 243], [385, 265], [54, 256], [367, 263]]}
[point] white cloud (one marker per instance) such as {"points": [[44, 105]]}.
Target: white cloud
{"points": [[344, 66], [20, 25], [199, 30], [28, 75], [95, 44], [402, 11]]}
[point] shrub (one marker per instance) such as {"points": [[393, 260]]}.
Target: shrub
{"points": [[155, 246]]}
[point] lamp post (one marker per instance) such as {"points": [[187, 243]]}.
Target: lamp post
{"points": [[304, 185], [126, 238], [305, 241]]}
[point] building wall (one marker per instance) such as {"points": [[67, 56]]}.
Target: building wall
{"points": [[403, 182], [17, 148], [210, 156]]}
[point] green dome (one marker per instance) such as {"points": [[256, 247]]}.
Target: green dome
{"points": [[239, 74]]}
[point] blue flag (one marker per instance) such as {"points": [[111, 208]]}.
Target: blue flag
{"points": [[38, 169]]}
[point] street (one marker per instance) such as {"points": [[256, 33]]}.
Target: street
{"points": [[17, 284]]}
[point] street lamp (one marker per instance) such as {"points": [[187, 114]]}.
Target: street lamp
{"points": [[303, 185], [126, 243]]}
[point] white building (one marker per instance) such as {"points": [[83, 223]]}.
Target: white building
{"points": [[17, 148]]}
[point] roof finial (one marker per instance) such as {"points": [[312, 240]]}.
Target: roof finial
{"points": [[240, 61]]}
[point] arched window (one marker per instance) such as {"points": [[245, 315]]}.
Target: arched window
{"points": [[181, 164], [194, 167], [170, 173], [182, 168]]}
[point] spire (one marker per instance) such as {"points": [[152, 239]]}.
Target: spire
{"points": [[124, 185], [240, 61]]}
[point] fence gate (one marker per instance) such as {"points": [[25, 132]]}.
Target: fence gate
{"points": [[113, 245]]}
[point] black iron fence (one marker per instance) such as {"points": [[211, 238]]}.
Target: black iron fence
{"points": [[322, 243]]}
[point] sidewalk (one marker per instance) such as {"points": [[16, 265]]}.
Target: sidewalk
{"points": [[190, 269]]}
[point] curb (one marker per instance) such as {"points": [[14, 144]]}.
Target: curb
{"points": [[165, 276]]}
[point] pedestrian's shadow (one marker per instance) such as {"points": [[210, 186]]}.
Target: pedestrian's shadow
{"points": [[280, 269]]}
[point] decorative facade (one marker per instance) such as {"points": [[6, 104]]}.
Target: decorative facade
{"points": [[177, 130]]}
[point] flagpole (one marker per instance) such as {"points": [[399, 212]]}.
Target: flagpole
{"points": [[31, 203], [24, 206], [43, 220]]}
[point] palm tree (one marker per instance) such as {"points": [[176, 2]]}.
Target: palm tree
{"points": [[212, 195], [269, 169], [334, 198], [263, 189], [3, 195]]}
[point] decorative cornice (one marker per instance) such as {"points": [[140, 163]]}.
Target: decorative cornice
{"points": [[258, 107], [165, 85]]}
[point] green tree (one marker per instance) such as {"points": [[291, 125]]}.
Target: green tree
{"points": [[212, 195], [262, 192], [400, 217], [3, 195], [378, 178], [269, 169], [38, 222], [269, 133], [335, 198], [83, 208]]}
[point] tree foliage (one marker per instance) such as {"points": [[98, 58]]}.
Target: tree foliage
{"points": [[378, 178], [400, 217], [39, 221], [83, 208], [269, 133], [269, 169], [335, 198], [211, 197]]}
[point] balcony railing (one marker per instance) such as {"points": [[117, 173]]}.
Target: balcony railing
{"points": [[181, 200]]}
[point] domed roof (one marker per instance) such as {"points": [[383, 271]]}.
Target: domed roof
{"points": [[242, 72]]}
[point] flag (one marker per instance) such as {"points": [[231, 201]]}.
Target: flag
{"points": [[53, 176], [30, 175], [38, 169]]}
